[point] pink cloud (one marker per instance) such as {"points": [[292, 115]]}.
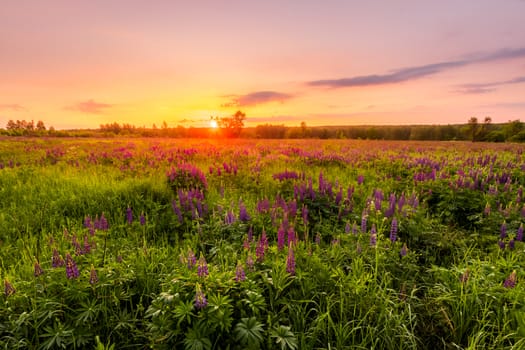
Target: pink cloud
{"points": [[14, 107], [89, 106]]}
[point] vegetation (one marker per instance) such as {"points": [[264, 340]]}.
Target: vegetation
{"points": [[245, 244], [233, 127]]}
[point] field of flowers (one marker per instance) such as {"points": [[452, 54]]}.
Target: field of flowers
{"points": [[255, 244]]}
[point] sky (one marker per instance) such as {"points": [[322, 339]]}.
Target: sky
{"points": [[78, 64]]}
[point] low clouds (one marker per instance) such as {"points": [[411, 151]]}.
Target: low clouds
{"points": [[488, 87], [89, 107], [416, 72], [12, 107], [256, 98]]}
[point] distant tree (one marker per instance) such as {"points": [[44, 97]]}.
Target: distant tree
{"points": [[512, 128], [231, 126], [40, 126], [473, 128]]}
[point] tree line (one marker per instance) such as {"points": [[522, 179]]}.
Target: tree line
{"points": [[233, 126]]}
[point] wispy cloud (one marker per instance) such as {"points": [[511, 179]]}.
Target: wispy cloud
{"points": [[13, 107], [416, 72], [89, 107], [488, 87], [256, 98]]}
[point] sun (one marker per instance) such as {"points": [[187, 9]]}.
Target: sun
{"points": [[213, 124]]}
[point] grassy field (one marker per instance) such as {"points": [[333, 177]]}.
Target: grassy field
{"points": [[257, 244]]}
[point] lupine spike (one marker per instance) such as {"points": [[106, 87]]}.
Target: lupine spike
{"points": [[510, 282], [71, 267], [290, 261], [8, 288], [38, 271], [93, 278], [202, 268], [393, 230]]}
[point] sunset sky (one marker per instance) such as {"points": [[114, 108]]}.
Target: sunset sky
{"points": [[78, 64]]}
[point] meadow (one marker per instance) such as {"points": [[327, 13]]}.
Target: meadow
{"points": [[261, 244]]}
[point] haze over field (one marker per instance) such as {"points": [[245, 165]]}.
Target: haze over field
{"points": [[334, 62]]}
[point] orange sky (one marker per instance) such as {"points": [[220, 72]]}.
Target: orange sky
{"points": [[78, 64]]}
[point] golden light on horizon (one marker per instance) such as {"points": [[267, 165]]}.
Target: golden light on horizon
{"points": [[213, 124]]}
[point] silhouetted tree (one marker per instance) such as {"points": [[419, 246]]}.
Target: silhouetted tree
{"points": [[231, 126]]}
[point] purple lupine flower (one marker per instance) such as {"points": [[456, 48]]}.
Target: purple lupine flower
{"points": [[200, 300], [249, 262], [318, 238], [93, 278], [292, 238], [202, 268], [304, 212], [335, 241], [87, 222], [119, 258], [129, 215], [280, 238], [57, 260], [510, 282], [103, 223], [142, 219], [8, 288], [240, 275], [290, 261], [393, 230], [38, 271], [348, 228], [360, 179], [354, 228], [177, 211], [230, 218], [246, 244], [503, 230], [486, 211], [243, 213], [501, 244], [512, 244], [191, 260], [260, 250], [76, 246], [250, 234], [87, 245], [71, 267], [519, 235], [373, 239], [363, 221], [404, 250]]}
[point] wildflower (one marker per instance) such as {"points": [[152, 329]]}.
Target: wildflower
{"points": [[347, 228], [318, 238], [192, 260], [519, 235], [93, 278], [119, 258], [363, 222], [292, 238], [280, 238], [373, 240], [512, 244], [501, 244], [290, 262], [250, 235], [240, 275], [304, 212], [404, 250], [8, 288], [393, 230], [103, 223], [503, 230], [249, 262], [358, 248], [142, 219], [230, 218], [202, 268], [260, 250], [243, 213], [510, 282], [87, 245], [38, 269], [129, 215], [71, 267], [463, 278], [200, 299], [57, 260]]}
